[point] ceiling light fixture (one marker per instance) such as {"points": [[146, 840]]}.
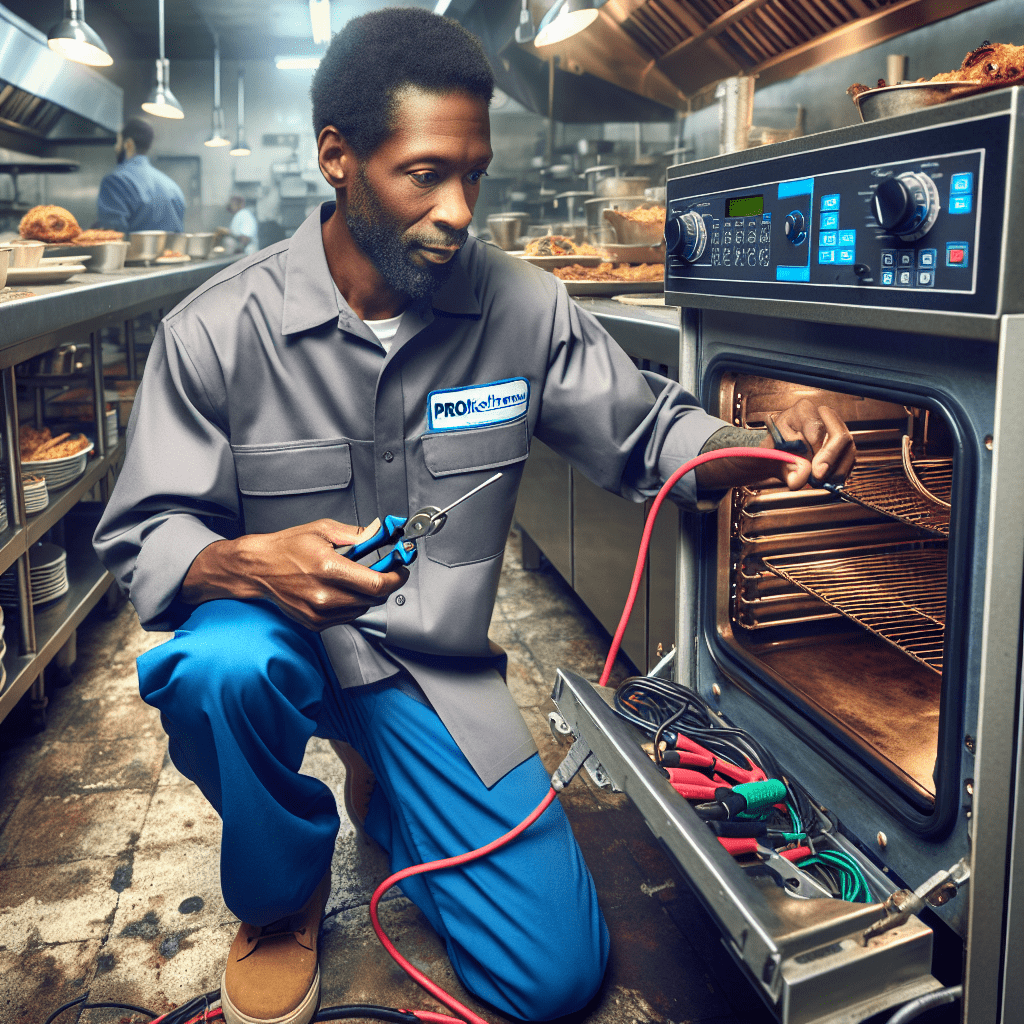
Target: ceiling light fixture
{"points": [[524, 30], [161, 102], [217, 136], [564, 19], [74, 39], [240, 147], [297, 63], [320, 19]]}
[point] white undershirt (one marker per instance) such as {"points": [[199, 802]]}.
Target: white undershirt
{"points": [[385, 330]]}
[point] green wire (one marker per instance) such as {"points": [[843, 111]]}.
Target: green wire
{"points": [[853, 886]]}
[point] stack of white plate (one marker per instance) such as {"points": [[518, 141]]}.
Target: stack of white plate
{"points": [[59, 472], [48, 571], [36, 495]]}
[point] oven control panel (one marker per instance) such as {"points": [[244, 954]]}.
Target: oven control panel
{"points": [[912, 220]]}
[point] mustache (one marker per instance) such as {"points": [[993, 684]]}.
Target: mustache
{"points": [[446, 240]]}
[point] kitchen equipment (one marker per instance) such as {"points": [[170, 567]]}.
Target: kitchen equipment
{"points": [[60, 472], [25, 252], [876, 651], [635, 232], [106, 257], [5, 259], [735, 112], [890, 100], [599, 231], [176, 240], [506, 228], [623, 186], [145, 246], [592, 175], [59, 362], [198, 245]]}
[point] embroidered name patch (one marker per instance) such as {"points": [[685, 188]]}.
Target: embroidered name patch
{"points": [[478, 406]]}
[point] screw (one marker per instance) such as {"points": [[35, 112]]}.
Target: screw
{"points": [[969, 786], [969, 742], [882, 840], [988, 441], [716, 689]]}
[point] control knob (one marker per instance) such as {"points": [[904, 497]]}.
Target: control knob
{"points": [[686, 235], [907, 205], [795, 228]]}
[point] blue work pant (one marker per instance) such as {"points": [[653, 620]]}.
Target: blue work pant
{"points": [[241, 689]]}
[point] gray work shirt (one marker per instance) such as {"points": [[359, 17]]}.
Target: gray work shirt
{"points": [[267, 403]]}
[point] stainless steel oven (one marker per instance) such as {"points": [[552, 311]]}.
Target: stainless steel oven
{"points": [[872, 642]]}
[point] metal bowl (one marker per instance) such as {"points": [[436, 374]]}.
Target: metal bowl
{"points": [[176, 241], [26, 252], [506, 228], [145, 246], [891, 100], [631, 232], [198, 246], [5, 256]]}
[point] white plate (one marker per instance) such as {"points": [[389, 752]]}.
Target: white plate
{"points": [[44, 275], [173, 259], [57, 261], [612, 287]]}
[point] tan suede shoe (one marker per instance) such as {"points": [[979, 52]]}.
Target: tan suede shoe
{"points": [[359, 783], [272, 976]]}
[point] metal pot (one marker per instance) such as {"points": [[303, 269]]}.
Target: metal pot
{"points": [[5, 256], [599, 230], [624, 186], [176, 241], [506, 228], [198, 246], [598, 173], [26, 252], [145, 246]]}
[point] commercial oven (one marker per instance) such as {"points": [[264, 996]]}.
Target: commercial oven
{"points": [[871, 642]]}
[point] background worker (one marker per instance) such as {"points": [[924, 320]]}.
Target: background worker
{"points": [[243, 230], [135, 196], [378, 361]]}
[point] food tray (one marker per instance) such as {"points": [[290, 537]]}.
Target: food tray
{"points": [[550, 262], [890, 100], [59, 472]]}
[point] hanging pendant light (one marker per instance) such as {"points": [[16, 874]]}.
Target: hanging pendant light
{"points": [[217, 136], [565, 19], [161, 102], [74, 39], [240, 148]]}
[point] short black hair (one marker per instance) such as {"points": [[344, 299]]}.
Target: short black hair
{"points": [[140, 132], [376, 55]]}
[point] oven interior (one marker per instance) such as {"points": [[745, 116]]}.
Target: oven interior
{"points": [[839, 606]]}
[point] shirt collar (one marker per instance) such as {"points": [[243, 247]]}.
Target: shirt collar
{"points": [[311, 297]]}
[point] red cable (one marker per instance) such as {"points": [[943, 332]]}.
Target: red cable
{"points": [[418, 869], [417, 975], [721, 453]]}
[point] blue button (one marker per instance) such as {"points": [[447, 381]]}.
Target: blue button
{"points": [[828, 239], [961, 184], [889, 258], [845, 255], [826, 255], [961, 204], [957, 254], [925, 278], [927, 259], [766, 217], [888, 276], [847, 237], [829, 221], [830, 202], [905, 278]]}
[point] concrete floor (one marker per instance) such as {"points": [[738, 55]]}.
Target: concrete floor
{"points": [[109, 857]]}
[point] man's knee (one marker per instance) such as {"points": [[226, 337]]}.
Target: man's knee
{"points": [[564, 984]]}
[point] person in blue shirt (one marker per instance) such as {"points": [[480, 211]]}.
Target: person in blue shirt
{"points": [[244, 228], [135, 196]]}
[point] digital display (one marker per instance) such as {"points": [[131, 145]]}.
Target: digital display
{"points": [[745, 206]]}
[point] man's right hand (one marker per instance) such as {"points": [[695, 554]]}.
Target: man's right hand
{"points": [[298, 569]]}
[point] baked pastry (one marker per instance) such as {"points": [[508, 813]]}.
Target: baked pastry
{"points": [[94, 236], [49, 224]]}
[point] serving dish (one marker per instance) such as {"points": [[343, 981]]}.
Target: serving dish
{"points": [[44, 275], [59, 472], [106, 257], [173, 259], [145, 246], [612, 287], [550, 262], [890, 100]]}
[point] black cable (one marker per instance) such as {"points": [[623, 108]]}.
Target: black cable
{"points": [[67, 1006], [914, 1009], [365, 1010], [99, 1006]]}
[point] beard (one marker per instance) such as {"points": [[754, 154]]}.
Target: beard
{"points": [[390, 248]]}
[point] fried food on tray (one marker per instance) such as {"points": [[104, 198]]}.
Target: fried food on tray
{"points": [[37, 445], [49, 224], [986, 66], [611, 272], [94, 236], [171, 254], [559, 245]]}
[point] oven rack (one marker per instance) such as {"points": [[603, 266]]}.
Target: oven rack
{"points": [[884, 486], [899, 593]]}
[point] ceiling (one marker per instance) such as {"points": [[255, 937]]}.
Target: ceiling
{"points": [[248, 29]]}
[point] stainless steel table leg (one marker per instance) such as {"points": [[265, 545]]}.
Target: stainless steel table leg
{"points": [[129, 344]]}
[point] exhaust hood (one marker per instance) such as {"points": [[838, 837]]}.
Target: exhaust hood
{"points": [[48, 98], [673, 52]]}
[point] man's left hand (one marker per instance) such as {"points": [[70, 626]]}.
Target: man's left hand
{"points": [[829, 440]]}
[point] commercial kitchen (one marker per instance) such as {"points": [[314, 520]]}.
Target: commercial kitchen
{"points": [[762, 200]]}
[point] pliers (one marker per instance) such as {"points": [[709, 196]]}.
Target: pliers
{"points": [[405, 531]]}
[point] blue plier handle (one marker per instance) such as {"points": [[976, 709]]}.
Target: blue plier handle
{"points": [[391, 529]]}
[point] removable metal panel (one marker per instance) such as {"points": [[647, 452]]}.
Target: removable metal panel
{"points": [[808, 957]]}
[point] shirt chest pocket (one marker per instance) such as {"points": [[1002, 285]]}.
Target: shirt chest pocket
{"points": [[457, 461], [296, 482]]}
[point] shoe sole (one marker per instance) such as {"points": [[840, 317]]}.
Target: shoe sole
{"points": [[302, 1014], [345, 754]]}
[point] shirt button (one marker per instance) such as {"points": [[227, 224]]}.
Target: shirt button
{"points": [[388, 456], [400, 599]]}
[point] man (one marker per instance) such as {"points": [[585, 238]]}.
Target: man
{"points": [[327, 381], [243, 228], [135, 196]]}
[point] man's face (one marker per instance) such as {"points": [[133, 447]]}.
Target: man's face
{"points": [[411, 201], [235, 204]]}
